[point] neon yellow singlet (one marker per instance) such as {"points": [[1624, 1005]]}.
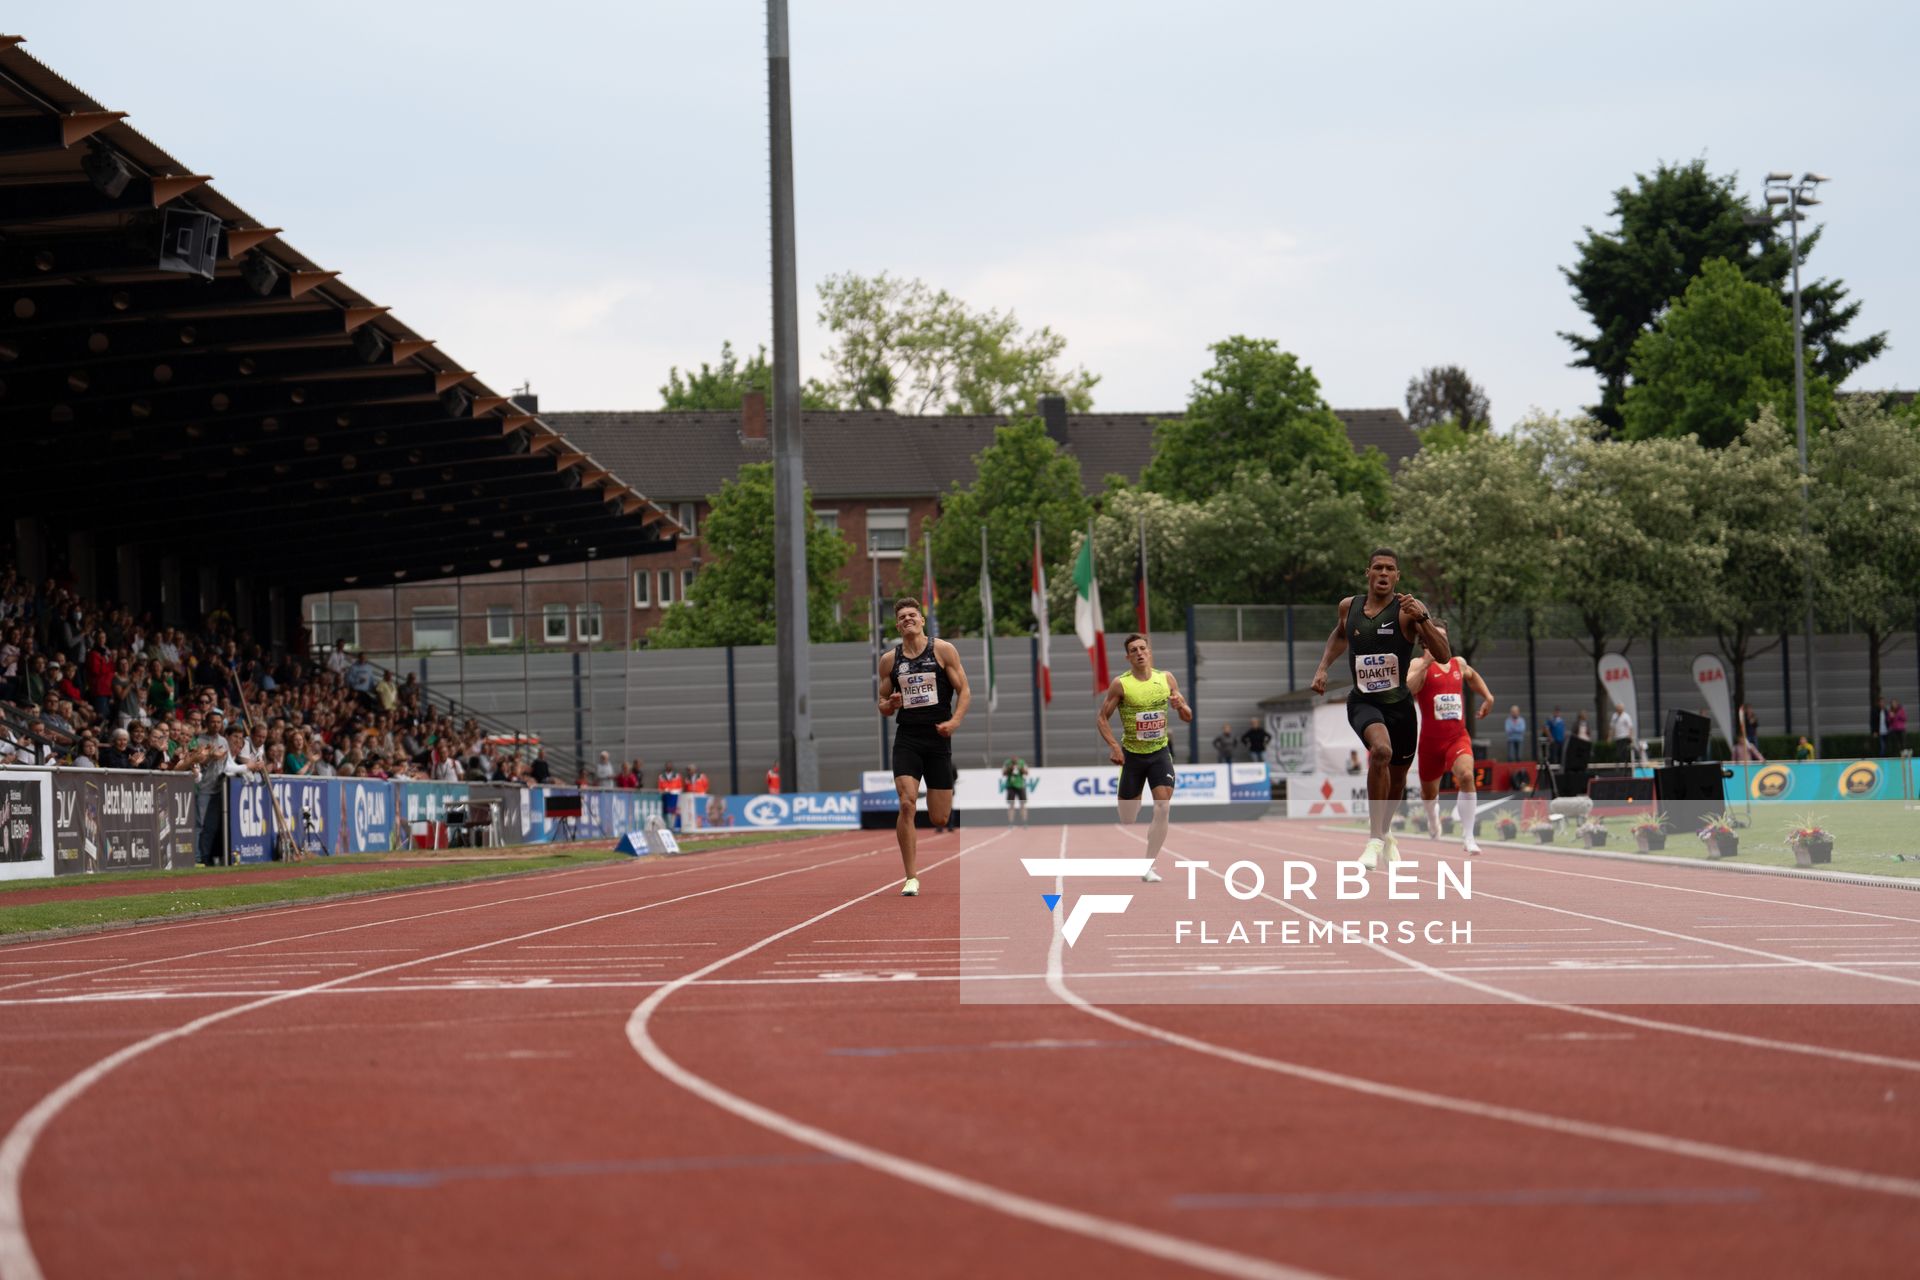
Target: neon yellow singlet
{"points": [[1143, 712]]}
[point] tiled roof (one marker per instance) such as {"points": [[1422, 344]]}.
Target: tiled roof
{"points": [[882, 454]]}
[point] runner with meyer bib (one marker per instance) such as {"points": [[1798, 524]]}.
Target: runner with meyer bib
{"points": [[1144, 695], [1378, 631]]}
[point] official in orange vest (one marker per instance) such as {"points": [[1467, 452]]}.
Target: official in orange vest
{"points": [[773, 781], [670, 788], [697, 784]]}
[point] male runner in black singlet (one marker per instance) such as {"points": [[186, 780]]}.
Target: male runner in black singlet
{"points": [[1379, 630], [924, 688]]}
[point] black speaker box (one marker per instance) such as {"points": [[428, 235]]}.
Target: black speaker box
{"points": [[1682, 782], [1689, 736], [1579, 755]]}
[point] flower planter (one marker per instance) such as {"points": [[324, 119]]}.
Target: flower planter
{"points": [[1544, 833], [1651, 841], [1813, 851], [1446, 826], [1508, 831], [1596, 839], [1723, 846]]}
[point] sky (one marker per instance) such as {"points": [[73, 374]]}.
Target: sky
{"points": [[574, 193]]}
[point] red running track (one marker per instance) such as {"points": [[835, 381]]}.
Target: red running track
{"points": [[713, 1066]]}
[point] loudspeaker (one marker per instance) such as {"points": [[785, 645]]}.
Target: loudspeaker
{"points": [[1579, 755], [1689, 736], [189, 242], [1690, 782]]}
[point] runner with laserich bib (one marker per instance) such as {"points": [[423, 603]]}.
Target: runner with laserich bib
{"points": [[1143, 696], [1377, 631]]}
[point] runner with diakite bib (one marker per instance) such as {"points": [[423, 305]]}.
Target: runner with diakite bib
{"points": [[1143, 696], [1379, 629]]}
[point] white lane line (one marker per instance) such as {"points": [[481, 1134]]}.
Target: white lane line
{"points": [[1666, 1144], [1624, 1019], [1518, 865], [1154, 1244], [17, 1260]]}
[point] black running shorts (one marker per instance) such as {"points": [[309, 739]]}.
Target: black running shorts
{"points": [[1401, 718], [924, 755], [1141, 771]]}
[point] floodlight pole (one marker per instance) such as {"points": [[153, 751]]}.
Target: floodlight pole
{"points": [[799, 761], [1795, 194]]}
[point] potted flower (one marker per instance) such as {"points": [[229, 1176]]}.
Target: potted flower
{"points": [[1716, 831], [1594, 833], [1811, 844], [1447, 823], [1509, 829], [1543, 831], [1419, 819], [1650, 833]]}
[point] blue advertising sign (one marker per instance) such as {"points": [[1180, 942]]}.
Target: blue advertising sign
{"points": [[828, 810], [366, 816], [308, 804], [428, 801], [249, 820], [1808, 782]]}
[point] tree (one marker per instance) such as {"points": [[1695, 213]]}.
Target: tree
{"points": [[1721, 353], [1866, 515], [1259, 406], [900, 344], [730, 602], [722, 387], [1021, 477], [1753, 509], [1280, 539], [1447, 394], [1670, 224], [1179, 558], [1468, 526], [1628, 537]]}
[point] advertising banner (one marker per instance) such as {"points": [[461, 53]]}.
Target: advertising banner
{"points": [[1811, 782], [1711, 675], [76, 822], [1616, 675], [1094, 787], [179, 814], [1251, 783], [26, 825], [364, 819], [1326, 795], [1290, 747], [818, 810], [428, 801], [510, 810], [249, 820], [129, 822]]}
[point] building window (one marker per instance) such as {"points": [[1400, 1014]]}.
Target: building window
{"points": [[686, 586], [589, 619], [826, 519], [642, 589], [887, 532], [436, 628], [666, 587], [689, 520], [553, 623], [499, 624], [339, 620]]}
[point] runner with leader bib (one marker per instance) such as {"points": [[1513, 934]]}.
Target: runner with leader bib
{"points": [[1144, 695], [1378, 631], [1440, 689], [924, 687]]}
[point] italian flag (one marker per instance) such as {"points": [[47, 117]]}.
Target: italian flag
{"points": [[1086, 613]]}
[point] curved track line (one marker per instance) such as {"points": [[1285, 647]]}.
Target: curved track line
{"points": [[17, 1260], [1665, 1144], [1155, 1244], [1585, 1011]]}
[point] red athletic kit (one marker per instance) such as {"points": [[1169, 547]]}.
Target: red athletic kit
{"points": [[1443, 719]]}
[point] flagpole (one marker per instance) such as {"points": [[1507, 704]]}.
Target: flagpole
{"points": [[986, 637], [873, 626], [1146, 612]]}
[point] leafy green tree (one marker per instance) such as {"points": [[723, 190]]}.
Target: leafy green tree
{"points": [[1753, 510], [1467, 525], [1280, 539], [1866, 514], [1179, 555], [1712, 362], [901, 344], [1447, 394], [1262, 407], [722, 386], [1669, 225], [731, 598], [1021, 477], [1628, 539]]}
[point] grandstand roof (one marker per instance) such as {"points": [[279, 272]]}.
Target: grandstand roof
{"points": [[882, 454], [270, 420]]}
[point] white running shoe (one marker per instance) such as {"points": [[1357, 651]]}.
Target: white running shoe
{"points": [[1472, 846], [911, 889], [1393, 849], [1152, 876], [1370, 856]]}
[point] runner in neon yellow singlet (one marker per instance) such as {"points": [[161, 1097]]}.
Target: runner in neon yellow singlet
{"points": [[1143, 696]]}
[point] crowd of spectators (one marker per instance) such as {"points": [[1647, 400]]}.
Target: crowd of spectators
{"points": [[91, 685]]}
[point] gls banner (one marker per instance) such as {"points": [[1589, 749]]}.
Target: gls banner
{"points": [[1090, 788], [820, 810]]}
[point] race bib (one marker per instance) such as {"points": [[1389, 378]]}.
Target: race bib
{"points": [[1150, 726], [919, 689], [1377, 672], [1449, 706]]}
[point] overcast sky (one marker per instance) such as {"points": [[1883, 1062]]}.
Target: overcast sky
{"points": [[574, 193]]}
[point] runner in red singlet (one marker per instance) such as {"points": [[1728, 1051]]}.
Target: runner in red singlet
{"points": [[1445, 746]]}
